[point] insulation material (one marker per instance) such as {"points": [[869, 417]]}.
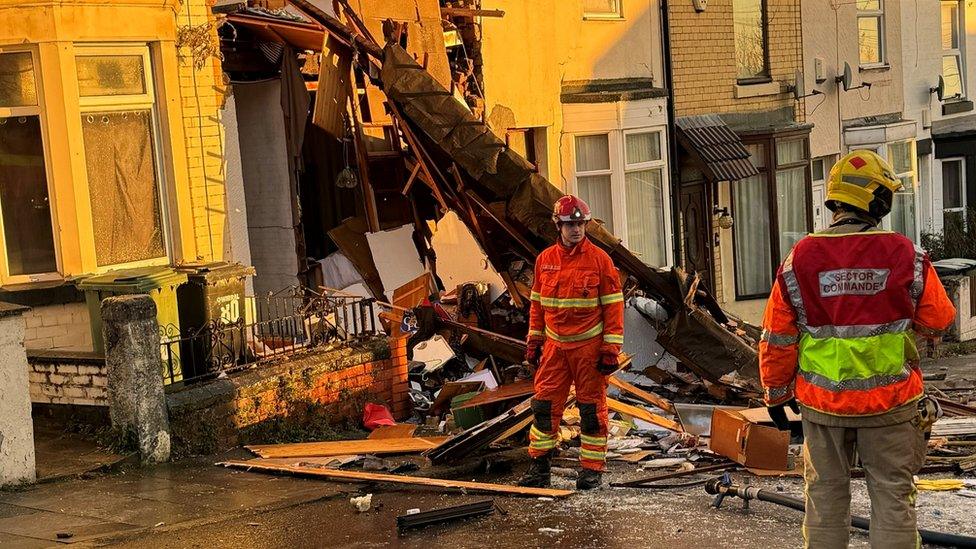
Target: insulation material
{"points": [[395, 257], [462, 259], [338, 272]]}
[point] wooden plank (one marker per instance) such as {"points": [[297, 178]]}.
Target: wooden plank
{"points": [[471, 12], [347, 447], [635, 457], [641, 413], [452, 389], [362, 476], [646, 396], [331, 101], [413, 293], [519, 389], [400, 430], [954, 426]]}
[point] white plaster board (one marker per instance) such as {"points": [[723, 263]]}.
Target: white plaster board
{"points": [[461, 259], [395, 257]]}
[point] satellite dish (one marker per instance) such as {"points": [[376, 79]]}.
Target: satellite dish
{"points": [[799, 87], [940, 89], [847, 77]]}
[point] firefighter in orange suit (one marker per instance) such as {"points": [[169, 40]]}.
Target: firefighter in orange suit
{"points": [[839, 338], [576, 330]]}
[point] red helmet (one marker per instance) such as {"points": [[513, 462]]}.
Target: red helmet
{"points": [[570, 208]]}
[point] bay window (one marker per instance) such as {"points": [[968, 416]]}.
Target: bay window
{"points": [[120, 139], [25, 210], [622, 176], [771, 211]]}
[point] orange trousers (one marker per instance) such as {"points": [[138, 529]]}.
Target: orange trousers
{"points": [[559, 369]]}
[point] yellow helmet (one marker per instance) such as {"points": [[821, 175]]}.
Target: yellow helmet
{"points": [[863, 180]]}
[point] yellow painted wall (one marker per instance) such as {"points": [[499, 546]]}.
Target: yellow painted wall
{"points": [[539, 44], [202, 91], [187, 102], [703, 50]]}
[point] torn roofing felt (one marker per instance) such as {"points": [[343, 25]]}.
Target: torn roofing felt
{"points": [[715, 146], [497, 174]]}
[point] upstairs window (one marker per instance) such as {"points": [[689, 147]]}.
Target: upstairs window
{"points": [[751, 46], [602, 9], [870, 32], [952, 60]]}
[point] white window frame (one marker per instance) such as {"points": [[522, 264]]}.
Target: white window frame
{"points": [[882, 149], [616, 15], [962, 191], [879, 14], [618, 187], [143, 101], [956, 52], [39, 111]]}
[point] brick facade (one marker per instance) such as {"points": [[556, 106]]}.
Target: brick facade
{"points": [[703, 57], [300, 394], [58, 377], [202, 88]]}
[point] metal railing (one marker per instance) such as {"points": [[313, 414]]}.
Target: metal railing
{"points": [[268, 327]]}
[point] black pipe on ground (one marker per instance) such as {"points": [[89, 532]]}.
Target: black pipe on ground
{"points": [[716, 487]]}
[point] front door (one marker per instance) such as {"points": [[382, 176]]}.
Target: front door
{"points": [[696, 230]]}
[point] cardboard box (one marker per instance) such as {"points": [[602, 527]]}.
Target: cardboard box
{"points": [[738, 435]]}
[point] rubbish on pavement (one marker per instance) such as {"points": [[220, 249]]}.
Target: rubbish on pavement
{"points": [[362, 503], [419, 519], [357, 476], [346, 447], [737, 437], [377, 415]]}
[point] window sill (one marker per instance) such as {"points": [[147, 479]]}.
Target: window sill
{"points": [[597, 17], [878, 67], [741, 91], [957, 106]]}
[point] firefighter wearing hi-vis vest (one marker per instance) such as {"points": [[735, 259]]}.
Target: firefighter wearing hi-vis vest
{"points": [[839, 339], [576, 329]]}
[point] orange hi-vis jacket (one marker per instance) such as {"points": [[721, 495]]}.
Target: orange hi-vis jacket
{"points": [[838, 331], [576, 297]]}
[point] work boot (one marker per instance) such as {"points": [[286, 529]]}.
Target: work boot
{"points": [[589, 479], [539, 473]]}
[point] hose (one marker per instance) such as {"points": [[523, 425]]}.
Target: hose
{"points": [[716, 487]]}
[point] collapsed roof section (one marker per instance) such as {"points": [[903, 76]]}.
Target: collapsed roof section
{"points": [[697, 331]]}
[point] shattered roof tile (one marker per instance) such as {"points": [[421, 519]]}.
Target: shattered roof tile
{"points": [[716, 147]]}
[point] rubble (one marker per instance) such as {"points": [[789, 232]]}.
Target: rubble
{"points": [[684, 404]]}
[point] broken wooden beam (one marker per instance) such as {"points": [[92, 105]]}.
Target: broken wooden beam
{"points": [[641, 413], [646, 396], [471, 12], [347, 447], [362, 476]]}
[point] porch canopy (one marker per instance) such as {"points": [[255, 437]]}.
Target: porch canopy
{"points": [[711, 143]]}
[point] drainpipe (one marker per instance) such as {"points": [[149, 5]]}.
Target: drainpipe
{"points": [[672, 139]]}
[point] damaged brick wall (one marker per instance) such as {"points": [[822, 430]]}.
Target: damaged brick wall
{"points": [[301, 398], [64, 377], [58, 326]]}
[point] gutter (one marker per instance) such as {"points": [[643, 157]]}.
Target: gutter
{"points": [[675, 175]]}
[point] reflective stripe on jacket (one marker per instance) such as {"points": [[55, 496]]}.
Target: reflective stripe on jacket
{"points": [[838, 327], [576, 296]]}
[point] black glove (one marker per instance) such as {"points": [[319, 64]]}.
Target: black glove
{"points": [[533, 352], [608, 363], [778, 414]]}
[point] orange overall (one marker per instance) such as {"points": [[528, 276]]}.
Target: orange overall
{"points": [[577, 307]]}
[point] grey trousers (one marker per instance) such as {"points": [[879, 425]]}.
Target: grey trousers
{"points": [[890, 455]]}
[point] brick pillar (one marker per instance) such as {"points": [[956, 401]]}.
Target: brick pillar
{"points": [[137, 404], [16, 427]]}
